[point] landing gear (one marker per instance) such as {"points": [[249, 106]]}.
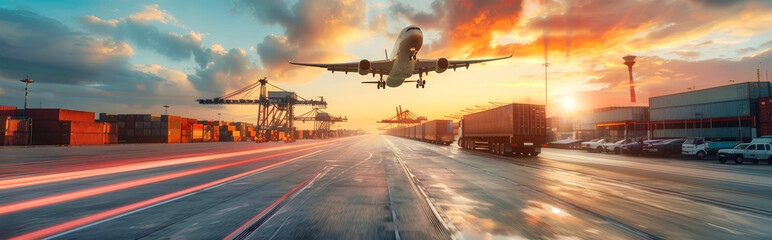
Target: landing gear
{"points": [[381, 83], [421, 82]]}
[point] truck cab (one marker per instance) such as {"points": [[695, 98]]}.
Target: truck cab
{"points": [[700, 147]]}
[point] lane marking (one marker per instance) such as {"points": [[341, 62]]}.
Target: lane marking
{"points": [[94, 219], [57, 177], [43, 201], [255, 222], [447, 224]]}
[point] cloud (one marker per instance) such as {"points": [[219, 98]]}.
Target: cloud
{"points": [[136, 29], [312, 29], [153, 13], [63, 61], [378, 23]]}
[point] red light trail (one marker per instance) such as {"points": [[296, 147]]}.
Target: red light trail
{"points": [[41, 233], [19, 206], [57, 177]]}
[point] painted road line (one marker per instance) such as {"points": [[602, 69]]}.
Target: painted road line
{"points": [[94, 219], [255, 222]]}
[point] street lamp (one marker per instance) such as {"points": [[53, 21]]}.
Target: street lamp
{"points": [[26, 82], [166, 109], [630, 61], [218, 116]]}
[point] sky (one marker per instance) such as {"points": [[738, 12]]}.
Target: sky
{"points": [[136, 56]]}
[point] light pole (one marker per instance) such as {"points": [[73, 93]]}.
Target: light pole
{"points": [[26, 82], [218, 116], [166, 109], [630, 61]]}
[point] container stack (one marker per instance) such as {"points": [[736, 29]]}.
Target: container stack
{"points": [[146, 128], [765, 116], [67, 127], [13, 131]]}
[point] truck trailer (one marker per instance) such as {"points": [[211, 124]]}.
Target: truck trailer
{"points": [[438, 132], [517, 128]]}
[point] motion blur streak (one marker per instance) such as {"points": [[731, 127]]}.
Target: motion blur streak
{"points": [[14, 207], [86, 165], [272, 205], [26, 181], [134, 206]]}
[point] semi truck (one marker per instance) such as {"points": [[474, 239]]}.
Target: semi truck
{"points": [[518, 129], [435, 131], [438, 132]]}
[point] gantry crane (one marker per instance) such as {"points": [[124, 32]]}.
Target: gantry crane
{"points": [[275, 108], [323, 121], [402, 119]]}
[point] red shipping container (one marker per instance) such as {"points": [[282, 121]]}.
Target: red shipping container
{"points": [[765, 129], [38, 114], [765, 110], [7, 108]]}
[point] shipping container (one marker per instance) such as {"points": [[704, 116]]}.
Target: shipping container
{"points": [[438, 131], [590, 120], [514, 128], [13, 131], [43, 114], [739, 108], [728, 93]]}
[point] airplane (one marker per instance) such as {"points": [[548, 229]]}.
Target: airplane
{"points": [[402, 64]]}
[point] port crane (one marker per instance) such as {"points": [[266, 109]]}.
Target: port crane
{"points": [[402, 119], [323, 121], [275, 108]]}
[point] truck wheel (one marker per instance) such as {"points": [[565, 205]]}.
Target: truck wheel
{"points": [[701, 155], [755, 161], [617, 151], [739, 159], [534, 154], [722, 160], [599, 149]]}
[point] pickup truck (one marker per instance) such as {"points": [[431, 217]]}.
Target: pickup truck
{"points": [[699, 147], [743, 151], [594, 145]]}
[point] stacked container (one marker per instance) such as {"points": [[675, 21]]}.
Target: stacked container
{"points": [[13, 131], [66, 127], [765, 116]]}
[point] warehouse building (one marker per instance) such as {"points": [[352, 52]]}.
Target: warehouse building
{"points": [[727, 112], [612, 123]]}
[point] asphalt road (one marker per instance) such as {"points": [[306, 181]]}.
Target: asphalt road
{"points": [[372, 187]]}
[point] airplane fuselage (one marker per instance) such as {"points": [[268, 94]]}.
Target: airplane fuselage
{"points": [[403, 56]]}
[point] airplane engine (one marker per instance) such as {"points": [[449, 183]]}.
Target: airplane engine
{"points": [[364, 67], [442, 65]]}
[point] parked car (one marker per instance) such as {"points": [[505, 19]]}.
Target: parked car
{"points": [[635, 148], [585, 144], [615, 147], [594, 146], [664, 148], [699, 147], [743, 151]]}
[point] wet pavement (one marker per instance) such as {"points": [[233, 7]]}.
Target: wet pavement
{"points": [[372, 187]]}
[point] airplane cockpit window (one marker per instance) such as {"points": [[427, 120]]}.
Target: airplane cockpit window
{"points": [[412, 28]]}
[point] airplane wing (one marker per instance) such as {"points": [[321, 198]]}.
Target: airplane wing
{"points": [[378, 67], [426, 65]]}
